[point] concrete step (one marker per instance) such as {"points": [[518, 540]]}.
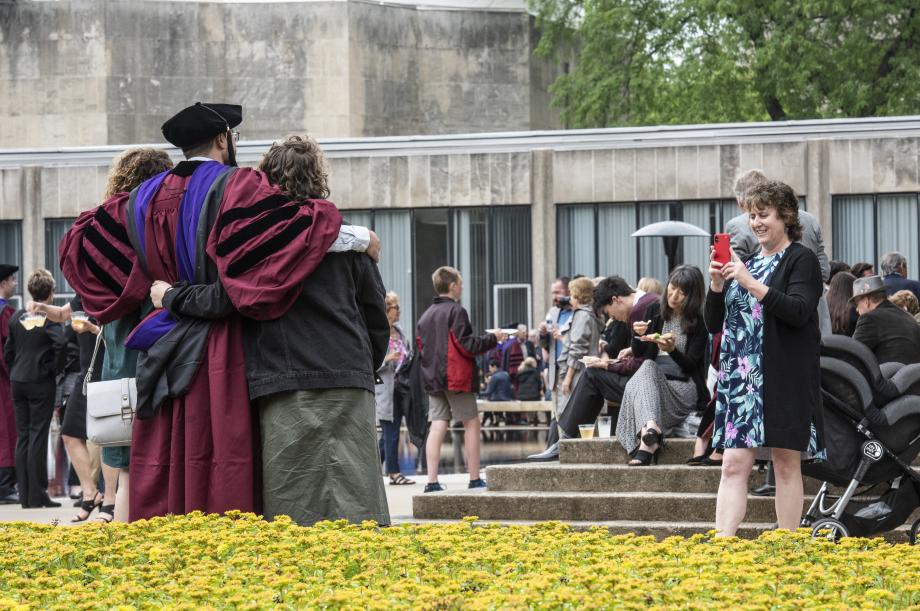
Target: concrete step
{"points": [[583, 506], [659, 530], [556, 477], [608, 451]]}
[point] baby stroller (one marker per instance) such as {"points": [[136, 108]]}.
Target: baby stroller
{"points": [[872, 434]]}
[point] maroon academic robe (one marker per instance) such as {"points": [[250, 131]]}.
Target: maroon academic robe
{"points": [[199, 451], [7, 415]]}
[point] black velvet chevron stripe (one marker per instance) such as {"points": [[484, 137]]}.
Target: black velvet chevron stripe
{"points": [[263, 205], [108, 251], [112, 226], [100, 273], [256, 228], [270, 247]]}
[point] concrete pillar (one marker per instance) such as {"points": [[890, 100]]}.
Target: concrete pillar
{"points": [[33, 226], [542, 230], [818, 190]]}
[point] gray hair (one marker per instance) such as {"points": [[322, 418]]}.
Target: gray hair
{"points": [[891, 263], [747, 180]]}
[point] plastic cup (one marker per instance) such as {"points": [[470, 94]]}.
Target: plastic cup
{"points": [[31, 321], [586, 430], [78, 320], [603, 426]]}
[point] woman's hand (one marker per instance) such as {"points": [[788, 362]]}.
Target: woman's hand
{"points": [[641, 327], [624, 354], [716, 280], [157, 291], [567, 382], [737, 271], [666, 344], [393, 356]]}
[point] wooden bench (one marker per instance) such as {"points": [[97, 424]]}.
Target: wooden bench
{"points": [[514, 406]]}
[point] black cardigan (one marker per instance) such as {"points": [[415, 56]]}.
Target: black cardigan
{"points": [[692, 362], [791, 348]]}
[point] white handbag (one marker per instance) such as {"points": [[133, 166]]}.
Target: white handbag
{"points": [[110, 407]]}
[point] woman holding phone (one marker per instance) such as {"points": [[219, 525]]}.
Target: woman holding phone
{"points": [[768, 390]]}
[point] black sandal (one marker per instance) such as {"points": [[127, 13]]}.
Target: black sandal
{"points": [[400, 480], [106, 514], [88, 507], [696, 461], [643, 459]]}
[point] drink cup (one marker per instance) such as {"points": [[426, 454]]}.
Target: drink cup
{"points": [[31, 321], [78, 320], [603, 426], [586, 430]]}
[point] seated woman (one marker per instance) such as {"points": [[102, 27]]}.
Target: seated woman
{"points": [[671, 383]]}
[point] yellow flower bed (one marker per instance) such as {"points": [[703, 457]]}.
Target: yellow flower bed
{"points": [[201, 561]]}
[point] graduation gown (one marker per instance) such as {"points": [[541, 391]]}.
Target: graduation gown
{"points": [[7, 415], [195, 441]]}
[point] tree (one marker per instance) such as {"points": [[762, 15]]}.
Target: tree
{"points": [[640, 62]]}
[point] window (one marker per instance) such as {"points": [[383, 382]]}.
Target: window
{"points": [[868, 226], [489, 245], [11, 254], [596, 239], [54, 233]]}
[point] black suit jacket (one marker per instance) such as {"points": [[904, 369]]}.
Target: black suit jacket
{"points": [[897, 282], [891, 333]]}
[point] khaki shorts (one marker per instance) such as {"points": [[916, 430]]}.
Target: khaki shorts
{"points": [[452, 406]]}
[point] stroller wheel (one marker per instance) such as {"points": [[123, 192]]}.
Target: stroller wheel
{"points": [[914, 533], [829, 528]]}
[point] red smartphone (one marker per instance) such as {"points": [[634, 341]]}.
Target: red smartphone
{"points": [[722, 243]]}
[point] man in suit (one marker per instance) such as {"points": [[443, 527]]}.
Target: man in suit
{"points": [[894, 273], [890, 332]]}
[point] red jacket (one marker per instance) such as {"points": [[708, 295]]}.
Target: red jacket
{"points": [[446, 342]]}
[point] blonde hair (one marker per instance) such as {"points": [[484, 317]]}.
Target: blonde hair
{"points": [[582, 289], [528, 363], [650, 285], [298, 165], [907, 301], [443, 277], [40, 284], [391, 299], [133, 167]]}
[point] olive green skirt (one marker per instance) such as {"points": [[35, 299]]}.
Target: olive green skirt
{"points": [[319, 456]]}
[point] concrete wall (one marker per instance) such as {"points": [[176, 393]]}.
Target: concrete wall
{"points": [[94, 72]]}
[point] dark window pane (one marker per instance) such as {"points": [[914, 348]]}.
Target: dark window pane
{"points": [[11, 253], [54, 233]]}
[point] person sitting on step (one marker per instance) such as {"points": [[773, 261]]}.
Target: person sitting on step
{"points": [[671, 382]]}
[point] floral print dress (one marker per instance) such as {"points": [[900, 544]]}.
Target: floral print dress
{"points": [[739, 420]]}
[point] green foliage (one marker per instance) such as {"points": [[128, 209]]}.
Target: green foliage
{"points": [[640, 62]]}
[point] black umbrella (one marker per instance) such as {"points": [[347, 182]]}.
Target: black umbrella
{"points": [[671, 232]]}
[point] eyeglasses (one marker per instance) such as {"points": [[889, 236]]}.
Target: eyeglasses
{"points": [[393, 307], [235, 135]]}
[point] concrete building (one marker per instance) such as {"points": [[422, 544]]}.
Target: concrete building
{"points": [[511, 210], [95, 72]]}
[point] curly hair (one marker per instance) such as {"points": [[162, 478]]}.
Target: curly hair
{"points": [[907, 301], [133, 167], [298, 165], [779, 196]]}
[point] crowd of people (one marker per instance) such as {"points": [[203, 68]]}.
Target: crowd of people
{"points": [[221, 292]]}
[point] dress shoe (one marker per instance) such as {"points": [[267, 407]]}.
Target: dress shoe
{"points": [[550, 453], [47, 502], [764, 490], [10, 499]]}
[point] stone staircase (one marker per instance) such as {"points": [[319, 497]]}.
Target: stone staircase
{"points": [[591, 485]]}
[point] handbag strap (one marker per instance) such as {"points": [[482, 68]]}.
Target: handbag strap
{"points": [[92, 363]]}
